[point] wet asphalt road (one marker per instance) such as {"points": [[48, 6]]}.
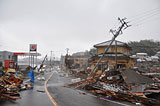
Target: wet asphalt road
{"points": [[32, 97], [71, 97], [62, 95]]}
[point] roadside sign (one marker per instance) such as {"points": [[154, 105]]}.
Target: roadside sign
{"points": [[33, 47]]}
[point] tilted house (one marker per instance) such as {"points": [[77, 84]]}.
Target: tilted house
{"points": [[117, 55]]}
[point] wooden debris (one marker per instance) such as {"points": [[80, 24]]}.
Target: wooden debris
{"points": [[95, 85], [9, 88], [40, 91]]}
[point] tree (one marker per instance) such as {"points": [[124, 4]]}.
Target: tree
{"points": [[150, 47], [93, 52]]}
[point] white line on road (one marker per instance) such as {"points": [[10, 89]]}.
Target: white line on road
{"points": [[106, 99], [115, 102]]}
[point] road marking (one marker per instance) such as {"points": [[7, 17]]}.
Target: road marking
{"points": [[49, 95], [115, 102], [54, 102], [106, 99]]}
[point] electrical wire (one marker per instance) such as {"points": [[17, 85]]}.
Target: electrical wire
{"points": [[144, 14], [146, 17], [146, 21]]}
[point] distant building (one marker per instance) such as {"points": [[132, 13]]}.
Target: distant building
{"points": [[142, 55], [76, 61], [80, 62], [158, 54], [10, 59], [7, 56]]}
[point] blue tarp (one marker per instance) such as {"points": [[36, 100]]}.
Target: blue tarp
{"points": [[31, 75], [16, 74]]}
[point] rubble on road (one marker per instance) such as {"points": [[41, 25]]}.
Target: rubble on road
{"points": [[41, 78], [82, 74], [124, 84], [75, 80], [40, 91], [10, 85]]}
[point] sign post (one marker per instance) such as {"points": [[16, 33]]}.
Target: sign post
{"points": [[32, 51]]}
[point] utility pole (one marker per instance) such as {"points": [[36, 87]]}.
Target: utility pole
{"points": [[115, 55], [51, 59], [67, 49], [42, 63], [115, 34]]}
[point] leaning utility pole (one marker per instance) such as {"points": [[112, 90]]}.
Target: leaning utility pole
{"points": [[67, 49], [115, 34], [51, 59], [42, 63]]}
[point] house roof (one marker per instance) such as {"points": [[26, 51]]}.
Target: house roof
{"points": [[131, 77], [107, 43]]}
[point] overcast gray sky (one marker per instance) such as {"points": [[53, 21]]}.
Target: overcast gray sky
{"points": [[75, 24]]}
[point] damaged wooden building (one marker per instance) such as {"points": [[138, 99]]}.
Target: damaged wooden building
{"points": [[116, 57], [78, 61]]}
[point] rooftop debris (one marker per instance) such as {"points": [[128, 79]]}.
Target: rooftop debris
{"points": [[131, 77]]}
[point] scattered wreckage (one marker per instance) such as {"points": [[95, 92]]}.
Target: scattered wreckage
{"points": [[124, 84], [10, 85]]}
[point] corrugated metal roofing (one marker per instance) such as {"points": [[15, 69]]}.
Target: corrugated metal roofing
{"points": [[131, 77]]}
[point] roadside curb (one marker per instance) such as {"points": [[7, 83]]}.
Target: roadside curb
{"points": [[49, 95]]}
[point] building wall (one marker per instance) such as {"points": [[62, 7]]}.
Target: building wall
{"points": [[111, 63], [81, 61], [5, 55], [127, 62], [77, 62], [112, 49]]}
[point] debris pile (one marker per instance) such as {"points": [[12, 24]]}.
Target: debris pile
{"points": [[82, 74], [10, 85], [41, 78], [124, 84], [5, 94]]}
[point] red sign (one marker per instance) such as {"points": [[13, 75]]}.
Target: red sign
{"points": [[33, 47]]}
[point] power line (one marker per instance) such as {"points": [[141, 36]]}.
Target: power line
{"points": [[146, 21], [146, 18], [146, 13]]}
